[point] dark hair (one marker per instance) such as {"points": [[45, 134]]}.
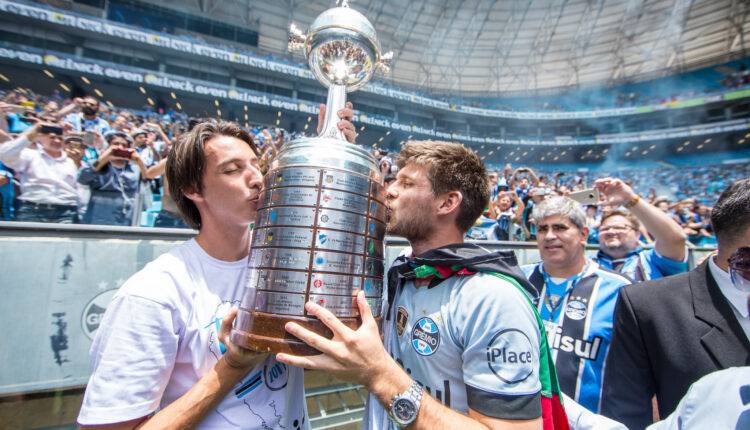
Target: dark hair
{"points": [[186, 163], [452, 167], [730, 216]]}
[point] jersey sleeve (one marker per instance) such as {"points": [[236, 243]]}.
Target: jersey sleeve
{"points": [[666, 266], [500, 337], [132, 360]]}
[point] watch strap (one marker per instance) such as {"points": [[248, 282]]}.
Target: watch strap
{"points": [[634, 201], [414, 393]]}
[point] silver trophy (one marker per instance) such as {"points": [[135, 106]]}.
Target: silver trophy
{"points": [[321, 221]]}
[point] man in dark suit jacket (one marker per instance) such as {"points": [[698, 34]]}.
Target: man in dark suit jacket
{"points": [[670, 332]]}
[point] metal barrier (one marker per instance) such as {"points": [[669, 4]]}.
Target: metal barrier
{"points": [[348, 405], [56, 283]]}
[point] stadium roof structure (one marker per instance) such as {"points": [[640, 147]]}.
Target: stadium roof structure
{"points": [[493, 47]]}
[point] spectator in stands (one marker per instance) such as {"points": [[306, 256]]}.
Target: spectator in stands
{"points": [[484, 228], [522, 181], [536, 196], [693, 224], [47, 174], [18, 113], [21, 120], [619, 249], [508, 211], [707, 233], [577, 298], [144, 147], [6, 109], [7, 193], [156, 140], [93, 144], [385, 165], [493, 176], [593, 220], [73, 144], [169, 214], [700, 182], [662, 203], [122, 124], [88, 118], [502, 184], [670, 332], [114, 182], [52, 108]]}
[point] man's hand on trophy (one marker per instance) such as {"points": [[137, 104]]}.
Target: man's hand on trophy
{"points": [[345, 125], [235, 356], [352, 355]]}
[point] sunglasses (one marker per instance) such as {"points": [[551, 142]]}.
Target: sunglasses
{"points": [[739, 268]]}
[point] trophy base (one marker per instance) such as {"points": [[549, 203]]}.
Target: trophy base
{"points": [[265, 332]]}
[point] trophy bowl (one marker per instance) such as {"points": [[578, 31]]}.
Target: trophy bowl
{"points": [[342, 48], [320, 227]]}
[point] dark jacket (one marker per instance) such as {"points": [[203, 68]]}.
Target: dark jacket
{"points": [[668, 333]]}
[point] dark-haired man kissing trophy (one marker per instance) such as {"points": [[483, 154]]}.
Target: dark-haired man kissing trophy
{"points": [[162, 357]]}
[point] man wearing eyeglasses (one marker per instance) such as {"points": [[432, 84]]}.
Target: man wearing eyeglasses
{"points": [[670, 332], [619, 249]]}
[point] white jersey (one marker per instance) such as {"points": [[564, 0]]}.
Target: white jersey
{"points": [[471, 342], [158, 337], [719, 400]]}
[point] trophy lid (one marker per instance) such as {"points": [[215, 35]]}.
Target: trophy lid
{"points": [[342, 48], [346, 18]]}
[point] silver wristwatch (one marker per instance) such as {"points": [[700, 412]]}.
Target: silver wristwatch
{"points": [[404, 407]]}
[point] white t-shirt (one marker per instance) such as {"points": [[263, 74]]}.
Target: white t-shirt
{"points": [[44, 179], [719, 400], [158, 337]]}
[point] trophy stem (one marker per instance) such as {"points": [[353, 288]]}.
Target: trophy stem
{"points": [[336, 101]]}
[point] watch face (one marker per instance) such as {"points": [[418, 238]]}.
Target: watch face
{"points": [[404, 410]]}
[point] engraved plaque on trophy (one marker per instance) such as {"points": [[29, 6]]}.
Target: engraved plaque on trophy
{"points": [[321, 221]]}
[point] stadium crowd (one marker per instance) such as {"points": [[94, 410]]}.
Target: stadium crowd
{"points": [[82, 161], [687, 195], [97, 164]]}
